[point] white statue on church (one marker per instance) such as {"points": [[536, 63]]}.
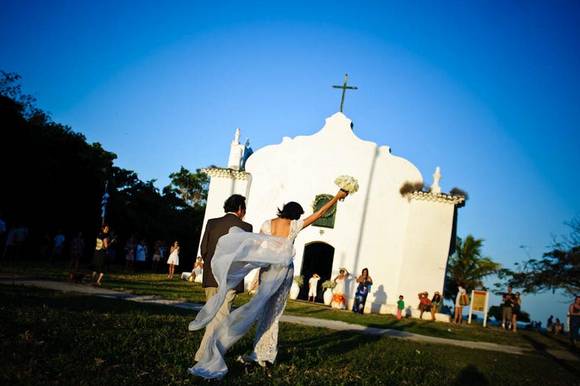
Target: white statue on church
{"points": [[237, 137], [435, 187], [236, 152]]}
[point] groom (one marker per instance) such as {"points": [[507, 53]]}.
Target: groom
{"points": [[235, 208]]}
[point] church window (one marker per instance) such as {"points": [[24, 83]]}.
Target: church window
{"points": [[327, 220]]}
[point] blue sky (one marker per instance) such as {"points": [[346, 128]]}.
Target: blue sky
{"points": [[488, 91]]}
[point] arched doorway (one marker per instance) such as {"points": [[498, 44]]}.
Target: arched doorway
{"points": [[317, 258]]}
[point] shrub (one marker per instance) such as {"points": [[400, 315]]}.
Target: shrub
{"points": [[411, 187], [459, 192], [299, 280], [328, 284]]}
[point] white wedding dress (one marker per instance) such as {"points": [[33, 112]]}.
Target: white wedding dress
{"points": [[238, 253]]}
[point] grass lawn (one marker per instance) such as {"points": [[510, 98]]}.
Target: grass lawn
{"points": [[158, 285], [66, 339]]}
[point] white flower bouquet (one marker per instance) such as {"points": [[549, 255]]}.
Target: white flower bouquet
{"points": [[347, 183]]}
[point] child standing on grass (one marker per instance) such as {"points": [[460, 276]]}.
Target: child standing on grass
{"points": [[400, 307], [312, 287]]}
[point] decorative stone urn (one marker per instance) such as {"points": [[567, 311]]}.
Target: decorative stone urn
{"points": [[327, 295], [294, 291]]}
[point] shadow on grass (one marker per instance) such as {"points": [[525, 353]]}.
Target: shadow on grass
{"points": [[541, 348], [470, 375], [562, 343], [336, 343]]}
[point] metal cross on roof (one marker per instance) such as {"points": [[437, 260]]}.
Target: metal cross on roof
{"points": [[344, 87]]}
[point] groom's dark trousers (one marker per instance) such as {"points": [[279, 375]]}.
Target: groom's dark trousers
{"points": [[214, 229]]}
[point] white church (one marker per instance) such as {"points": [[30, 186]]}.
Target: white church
{"points": [[403, 239]]}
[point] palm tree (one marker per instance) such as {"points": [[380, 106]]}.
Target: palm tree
{"points": [[466, 266]]}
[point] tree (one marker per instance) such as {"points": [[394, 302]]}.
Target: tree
{"points": [[467, 267], [10, 88], [191, 187], [60, 184], [559, 268]]}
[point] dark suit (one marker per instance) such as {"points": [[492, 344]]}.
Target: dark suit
{"points": [[216, 228]]}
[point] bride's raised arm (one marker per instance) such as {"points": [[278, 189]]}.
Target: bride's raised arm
{"points": [[320, 212]]}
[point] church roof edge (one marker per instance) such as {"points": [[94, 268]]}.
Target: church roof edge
{"points": [[437, 197], [226, 173]]}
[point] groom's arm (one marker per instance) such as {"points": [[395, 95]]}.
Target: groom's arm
{"points": [[205, 240], [248, 227]]}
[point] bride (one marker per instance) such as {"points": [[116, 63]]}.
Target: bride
{"points": [[238, 253]]}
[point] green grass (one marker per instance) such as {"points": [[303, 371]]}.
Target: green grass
{"points": [[159, 285], [55, 338]]}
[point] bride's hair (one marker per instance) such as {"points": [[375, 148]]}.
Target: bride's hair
{"points": [[291, 211]]}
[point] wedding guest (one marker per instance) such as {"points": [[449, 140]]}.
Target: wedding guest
{"points": [[112, 250], [100, 255], [156, 258], [162, 250], [130, 253], [198, 270], [424, 303], [558, 327], [338, 299], [507, 308], [461, 300], [45, 246], [313, 287], [436, 302], [57, 245], [15, 242], [400, 307], [141, 253], [516, 310], [574, 314], [362, 290], [173, 259], [77, 249]]}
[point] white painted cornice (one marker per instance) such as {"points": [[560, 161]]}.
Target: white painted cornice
{"points": [[226, 173]]}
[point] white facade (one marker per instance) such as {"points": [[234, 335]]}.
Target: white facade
{"points": [[403, 241]]}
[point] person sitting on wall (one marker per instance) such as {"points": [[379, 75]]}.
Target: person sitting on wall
{"points": [[424, 303], [435, 304]]}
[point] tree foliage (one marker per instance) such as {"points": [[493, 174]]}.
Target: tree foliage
{"points": [[467, 266], [496, 313], [191, 187], [53, 179], [558, 269], [409, 187], [51, 176]]}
